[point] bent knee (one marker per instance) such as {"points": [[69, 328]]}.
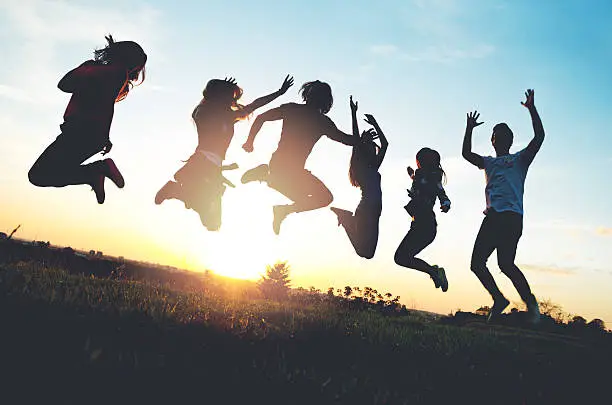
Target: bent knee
{"points": [[327, 198], [367, 253], [36, 177], [478, 267], [508, 267]]}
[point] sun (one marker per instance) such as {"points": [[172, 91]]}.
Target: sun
{"points": [[245, 244]]}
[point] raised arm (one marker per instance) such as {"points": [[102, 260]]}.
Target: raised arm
{"points": [[384, 144], [467, 153], [354, 116], [274, 114], [538, 129], [261, 101]]}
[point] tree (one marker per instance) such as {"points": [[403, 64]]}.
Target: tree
{"points": [[275, 284], [597, 325], [578, 322]]}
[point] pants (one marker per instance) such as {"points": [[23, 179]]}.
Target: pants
{"points": [[299, 185], [500, 231], [423, 230], [60, 164]]}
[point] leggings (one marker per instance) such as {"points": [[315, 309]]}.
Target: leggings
{"points": [[61, 165], [422, 232]]}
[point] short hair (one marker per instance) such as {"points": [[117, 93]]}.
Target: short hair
{"points": [[319, 94], [504, 130]]}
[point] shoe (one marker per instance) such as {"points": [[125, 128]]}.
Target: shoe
{"points": [[280, 213], [435, 276], [442, 279], [341, 214], [111, 171], [533, 312], [98, 187], [496, 310], [259, 173], [165, 192]]}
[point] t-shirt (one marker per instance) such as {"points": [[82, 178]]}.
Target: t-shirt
{"points": [[505, 177]]}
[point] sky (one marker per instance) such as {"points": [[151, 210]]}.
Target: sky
{"points": [[417, 65]]}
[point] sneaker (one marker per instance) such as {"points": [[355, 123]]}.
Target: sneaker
{"points": [[496, 310], [533, 312], [341, 214], [98, 187], [442, 279], [435, 276], [259, 173], [280, 213], [111, 171], [165, 192]]}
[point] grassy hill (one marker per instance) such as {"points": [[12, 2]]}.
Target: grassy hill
{"points": [[70, 337]]}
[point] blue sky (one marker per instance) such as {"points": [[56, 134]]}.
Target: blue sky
{"points": [[418, 66]]}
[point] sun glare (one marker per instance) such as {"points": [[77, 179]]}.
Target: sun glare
{"points": [[245, 244]]}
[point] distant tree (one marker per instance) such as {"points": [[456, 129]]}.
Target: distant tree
{"points": [[555, 311], [347, 291], [275, 284], [578, 322], [597, 325], [330, 291]]}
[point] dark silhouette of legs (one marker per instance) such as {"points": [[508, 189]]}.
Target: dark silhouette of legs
{"points": [[500, 231], [418, 238], [422, 232], [361, 228], [60, 164], [485, 244]]}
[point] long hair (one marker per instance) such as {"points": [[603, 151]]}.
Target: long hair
{"points": [[127, 53], [429, 160], [217, 88], [363, 156], [318, 94]]}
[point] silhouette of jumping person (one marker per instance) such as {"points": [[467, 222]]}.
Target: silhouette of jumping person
{"points": [[199, 183], [502, 226], [96, 85], [303, 126], [426, 188], [366, 158]]}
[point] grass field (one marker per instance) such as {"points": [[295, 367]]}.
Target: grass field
{"points": [[76, 339]]}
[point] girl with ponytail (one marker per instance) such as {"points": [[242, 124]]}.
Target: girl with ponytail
{"points": [[426, 188], [96, 85]]}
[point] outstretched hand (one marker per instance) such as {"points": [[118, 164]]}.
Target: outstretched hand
{"points": [[369, 118], [369, 135], [528, 99], [472, 119], [230, 80], [353, 104], [107, 148], [288, 82]]}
